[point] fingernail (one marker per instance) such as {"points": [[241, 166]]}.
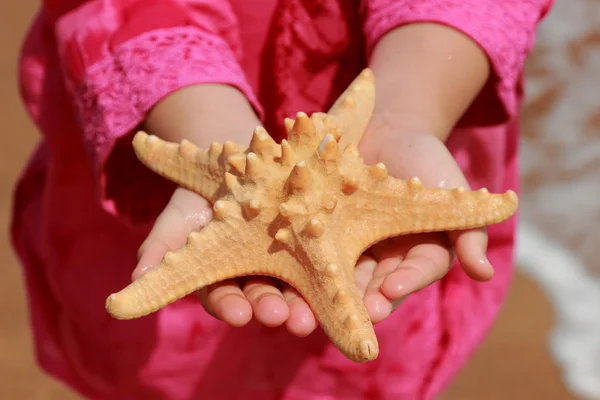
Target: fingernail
{"points": [[142, 269], [139, 271], [487, 266], [378, 306], [400, 290], [484, 261]]}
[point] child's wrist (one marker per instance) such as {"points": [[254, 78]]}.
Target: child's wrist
{"points": [[203, 114], [384, 129], [388, 121], [426, 76]]}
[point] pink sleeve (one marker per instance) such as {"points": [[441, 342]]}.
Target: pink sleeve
{"points": [[505, 30], [120, 57]]}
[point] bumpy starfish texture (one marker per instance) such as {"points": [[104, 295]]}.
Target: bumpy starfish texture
{"points": [[302, 211]]}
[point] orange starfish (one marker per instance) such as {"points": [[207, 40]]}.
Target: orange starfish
{"points": [[302, 211]]}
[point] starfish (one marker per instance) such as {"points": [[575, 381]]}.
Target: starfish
{"points": [[301, 211]]}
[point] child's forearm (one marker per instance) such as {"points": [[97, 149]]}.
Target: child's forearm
{"points": [[203, 114], [427, 75]]}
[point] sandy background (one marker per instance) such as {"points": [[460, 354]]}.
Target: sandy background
{"points": [[515, 361]]}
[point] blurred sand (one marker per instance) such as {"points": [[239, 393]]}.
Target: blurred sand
{"points": [[513, 362]]}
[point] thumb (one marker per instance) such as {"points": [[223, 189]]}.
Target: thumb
{"points": [[470, 247], [186, 212]]}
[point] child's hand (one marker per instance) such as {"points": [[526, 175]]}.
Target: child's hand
{"points": [[427, 75], [395, 268], [203, 114], [234, 301]]}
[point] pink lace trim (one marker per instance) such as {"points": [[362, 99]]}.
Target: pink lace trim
{"points": [[504, 29], [116, 93]]}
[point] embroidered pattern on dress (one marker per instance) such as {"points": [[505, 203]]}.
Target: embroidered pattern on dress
{"points": [[116, 92]]}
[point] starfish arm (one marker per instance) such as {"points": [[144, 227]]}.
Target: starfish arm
{"points": [[355, 107], [218, 252], [352, 109], [340, 310], [394, 207], [184, 164]]}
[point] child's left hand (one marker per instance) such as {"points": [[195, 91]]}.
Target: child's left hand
{"points": [[395, 268], [391, 270]]}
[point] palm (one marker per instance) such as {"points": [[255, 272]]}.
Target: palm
{"points": [[392, 269]]}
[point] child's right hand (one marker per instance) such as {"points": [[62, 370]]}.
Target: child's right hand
{"points": [[204, 114]]}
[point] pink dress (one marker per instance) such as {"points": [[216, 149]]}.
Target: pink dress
{"points": [[89, 72]]}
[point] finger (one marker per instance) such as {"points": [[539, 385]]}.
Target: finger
{"points": [[186, 212], [149, 255], [471, 247], [379, 306], [302, 321], [423, 265], [268, 304], [226, 301], [363, 273], [391, 253], [164, 236]]}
